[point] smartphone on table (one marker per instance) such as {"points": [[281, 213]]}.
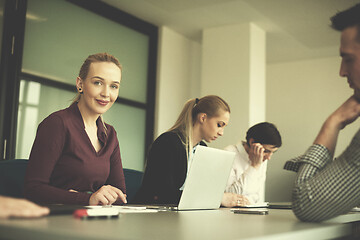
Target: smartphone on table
{"points": [[258, 211]]}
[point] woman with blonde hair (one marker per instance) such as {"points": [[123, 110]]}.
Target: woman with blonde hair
{"points": [[171, 153], [75, 158]]}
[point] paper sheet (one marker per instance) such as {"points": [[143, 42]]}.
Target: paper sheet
{"points": [[126, 209]]}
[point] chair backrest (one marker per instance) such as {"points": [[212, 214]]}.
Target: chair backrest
{"points": [[12, 174], [133, 181]]}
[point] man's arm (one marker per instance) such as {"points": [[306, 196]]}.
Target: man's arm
{"points": [[251, 180], [323, 193], [347, 113], [13, 207], [324, 189], [249, 185]]}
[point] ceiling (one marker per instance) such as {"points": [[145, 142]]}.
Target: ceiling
{"points": [[296, 29]]}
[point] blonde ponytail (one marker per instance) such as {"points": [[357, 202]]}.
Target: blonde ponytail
{"points": [[210, 105], [184, 124]]}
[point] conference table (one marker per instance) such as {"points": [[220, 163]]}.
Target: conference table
{"points": [[202, 224]]}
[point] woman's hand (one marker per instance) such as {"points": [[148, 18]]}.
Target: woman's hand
{"points": [[234, 200], [107, 195]]}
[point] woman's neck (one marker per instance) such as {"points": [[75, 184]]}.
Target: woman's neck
{"points": [[88, 118], [196, 136]]}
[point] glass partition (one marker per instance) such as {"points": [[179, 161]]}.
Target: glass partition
{"points": [[36, 102], [129, 123], [60, 35], [2, 5]]}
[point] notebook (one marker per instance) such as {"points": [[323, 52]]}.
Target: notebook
{"points": [[255, 205], [206, 179]]}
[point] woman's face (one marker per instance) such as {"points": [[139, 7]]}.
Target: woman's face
{"points": [[100, 88], [212, 128]]}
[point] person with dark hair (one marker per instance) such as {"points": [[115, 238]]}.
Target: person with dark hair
{"points": [[325, 188], [75, 158], [247, 177]]}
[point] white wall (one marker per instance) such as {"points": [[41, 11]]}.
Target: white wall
{"points": [[178, 77], [225, 72], [233, 67], [300, 96], [257, 86]]}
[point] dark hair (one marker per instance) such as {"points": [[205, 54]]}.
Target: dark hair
{"points": [[264, 133], [347, 18]]}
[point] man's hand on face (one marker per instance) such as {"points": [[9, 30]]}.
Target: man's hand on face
{"points": [[347, 113], [256, 154]]}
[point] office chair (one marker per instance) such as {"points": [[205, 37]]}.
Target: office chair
{"points": [[133, 181], [12, 174]]}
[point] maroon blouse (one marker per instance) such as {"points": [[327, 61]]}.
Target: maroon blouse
{"points": [[63, 158]]}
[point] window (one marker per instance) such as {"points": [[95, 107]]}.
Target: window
{"points": [[55, 46]]}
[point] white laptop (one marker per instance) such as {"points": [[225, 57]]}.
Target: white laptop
{"points": [[207, 179]]}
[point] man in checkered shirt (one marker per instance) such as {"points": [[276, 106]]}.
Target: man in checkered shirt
{"points": [[325, 188]]}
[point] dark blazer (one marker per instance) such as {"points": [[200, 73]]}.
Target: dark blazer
{"points": [[165, 171]]}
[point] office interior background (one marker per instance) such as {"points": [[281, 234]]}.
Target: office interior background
{"points": [[275, 61]]}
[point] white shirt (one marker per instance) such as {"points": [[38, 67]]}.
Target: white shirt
{"points": [[245, 179]]}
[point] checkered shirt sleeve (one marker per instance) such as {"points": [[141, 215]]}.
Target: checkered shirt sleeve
{"points": [[325, 188], [317, 155]]}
